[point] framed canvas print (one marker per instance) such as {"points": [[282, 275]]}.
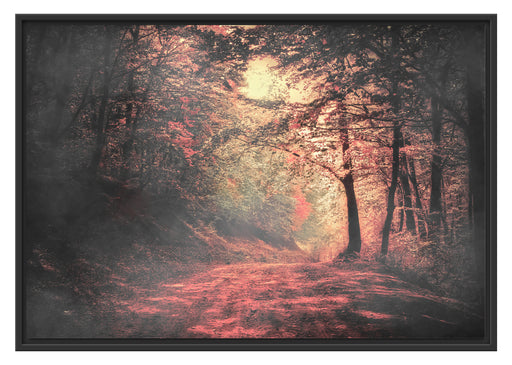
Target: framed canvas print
{"points": [[256, 182]]}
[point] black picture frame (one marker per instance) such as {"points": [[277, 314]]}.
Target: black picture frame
{"points": [[487, 343]]}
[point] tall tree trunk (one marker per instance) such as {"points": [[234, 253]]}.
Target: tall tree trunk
{"points": [[397, 135], [436, 207], [422, 224], [131, 122], [102, 112], [436, 173], [354, 231], [392, 188], [131, 119], [410, 222], [402, 214]]}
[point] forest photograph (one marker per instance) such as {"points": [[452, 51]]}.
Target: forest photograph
{"points": [[278, 181]]}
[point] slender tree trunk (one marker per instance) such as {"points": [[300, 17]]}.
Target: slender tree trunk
{"points": [[397, 134], [391, 192], [422, 224], [401, 225], [102, 112], [436, 207], [131, 119], [436, 173], [354, 231], [410, 222], [131, 122]]}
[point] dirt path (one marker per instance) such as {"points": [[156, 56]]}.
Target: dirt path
{"points": [[291, 301]]}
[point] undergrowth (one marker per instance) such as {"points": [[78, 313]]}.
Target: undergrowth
{"points": [[446, 268]]}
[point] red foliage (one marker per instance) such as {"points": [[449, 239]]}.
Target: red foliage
{"points": [[185, 142], [302, 210], [219, 29], [291, 159], [189, 122], [188, 152], [231, 83], [294, 125]]}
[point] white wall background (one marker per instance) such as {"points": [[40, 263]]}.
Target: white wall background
{"points": [[7, 178]]}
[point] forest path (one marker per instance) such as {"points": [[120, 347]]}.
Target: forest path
{"points": [[319, 300]]}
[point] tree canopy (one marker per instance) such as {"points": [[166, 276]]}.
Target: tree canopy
{"points": [[343, 139]]}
